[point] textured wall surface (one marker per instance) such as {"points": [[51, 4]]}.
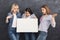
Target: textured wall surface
{"points": [[54, 5]]}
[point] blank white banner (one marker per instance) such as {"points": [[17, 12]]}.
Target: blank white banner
{"points": [[27, 25]]}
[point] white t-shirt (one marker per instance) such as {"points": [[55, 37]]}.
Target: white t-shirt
{"points": [[45, 22], [14, 24]]}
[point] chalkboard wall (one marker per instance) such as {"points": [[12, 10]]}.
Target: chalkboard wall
{"points": [[54, 5]]}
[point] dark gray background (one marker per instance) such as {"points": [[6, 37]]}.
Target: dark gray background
{"points": [[54, 5]]}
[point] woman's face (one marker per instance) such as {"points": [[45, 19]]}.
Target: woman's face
{"points": [[15, 9], [27, 13], [43, 11]]}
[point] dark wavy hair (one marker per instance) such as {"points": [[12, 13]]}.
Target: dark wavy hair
{"points": [[29, 10]]}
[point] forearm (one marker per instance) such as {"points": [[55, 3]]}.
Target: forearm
{"points": [[7, 20], [53, 22]]}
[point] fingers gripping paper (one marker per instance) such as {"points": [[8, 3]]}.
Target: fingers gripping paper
{"points": [[27, 25]]}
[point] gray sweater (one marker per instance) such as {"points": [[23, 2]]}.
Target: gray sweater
{"points": [[45, 22]]}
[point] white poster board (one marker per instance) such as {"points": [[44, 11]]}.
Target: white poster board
{"points": [[27, 25]]}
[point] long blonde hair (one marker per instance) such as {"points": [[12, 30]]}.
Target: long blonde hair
{"points": [[14, 5]]}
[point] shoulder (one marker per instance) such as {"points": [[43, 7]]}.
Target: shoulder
{"points": [[18, 13], [9, 13], [33, 15], [23, 15], [50, 16]]}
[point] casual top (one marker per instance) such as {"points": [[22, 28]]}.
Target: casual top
{"points": [[45, 22], [31, 16], [14, 24], [10, 21]]}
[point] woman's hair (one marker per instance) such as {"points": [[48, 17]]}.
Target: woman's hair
{"points": [[13, 5], [47, 9], [29, 10]]}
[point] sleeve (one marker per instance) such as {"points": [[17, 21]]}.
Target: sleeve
{"points": [[9, 14], [19, 15], [23, 15], [7, 20], [33, 16], [52, 20]]}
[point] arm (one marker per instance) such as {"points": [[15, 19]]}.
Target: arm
{"points": [[54, 15], [33, 16], [8, 17], [53, 23], [7, 20]]}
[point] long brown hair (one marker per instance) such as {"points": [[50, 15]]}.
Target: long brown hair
{"points": [[47, 9]]}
